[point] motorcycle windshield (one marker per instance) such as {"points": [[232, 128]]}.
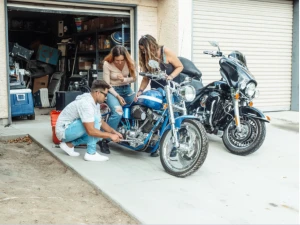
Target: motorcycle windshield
{"points": [[234, 72]]}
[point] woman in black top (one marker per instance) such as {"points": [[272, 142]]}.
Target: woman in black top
{"points": [[168, 61]]}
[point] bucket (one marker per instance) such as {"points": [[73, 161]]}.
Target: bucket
{"points": [[54, 138], [54, 115]]}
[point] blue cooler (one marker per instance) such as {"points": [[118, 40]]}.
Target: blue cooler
{"points": [[21, 103]]}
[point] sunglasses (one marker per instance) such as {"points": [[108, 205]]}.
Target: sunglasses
{"points": [[105, 94]]}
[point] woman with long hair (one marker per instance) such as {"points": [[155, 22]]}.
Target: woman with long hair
{"points": [[168, 61], [119, 73]]}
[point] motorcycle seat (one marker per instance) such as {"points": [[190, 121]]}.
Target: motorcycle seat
{"points": [[190, 69]]}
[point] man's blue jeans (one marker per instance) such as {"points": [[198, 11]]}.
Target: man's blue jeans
{"points": [[76, 134]]}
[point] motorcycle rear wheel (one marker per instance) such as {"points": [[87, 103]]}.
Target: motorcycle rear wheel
{"points": [[190, 158], [247, 143]]}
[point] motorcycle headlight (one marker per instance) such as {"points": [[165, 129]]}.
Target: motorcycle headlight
{"points": [[256, 95], [250, 89], [188, 93]]}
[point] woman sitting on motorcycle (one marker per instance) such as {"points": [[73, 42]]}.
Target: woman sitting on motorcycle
{"points": [[119, 72], [168, 61]]}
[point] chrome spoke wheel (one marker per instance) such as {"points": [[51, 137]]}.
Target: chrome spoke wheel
{"points": [[192, 148]]}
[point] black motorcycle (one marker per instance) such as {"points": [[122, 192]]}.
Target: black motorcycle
{"points": [[225, 107]]}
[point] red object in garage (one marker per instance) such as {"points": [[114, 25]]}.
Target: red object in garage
{"points": [[54, 115]]}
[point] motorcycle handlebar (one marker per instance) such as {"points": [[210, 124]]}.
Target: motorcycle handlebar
{"points": [[207, 52], [213, 53], [142, 74], [154, 76]]}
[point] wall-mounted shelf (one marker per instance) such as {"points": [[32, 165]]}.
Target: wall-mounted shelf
{"points": [[33, 31], [94, 51], [124, 26], [77, 37]]}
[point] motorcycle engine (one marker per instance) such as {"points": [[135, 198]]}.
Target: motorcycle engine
{"points": [[145, 114], [143, 121], [210, 108], [78, 84]]}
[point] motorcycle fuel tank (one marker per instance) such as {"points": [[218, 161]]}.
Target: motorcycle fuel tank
{"points": [[218, 86], [152, 99]]}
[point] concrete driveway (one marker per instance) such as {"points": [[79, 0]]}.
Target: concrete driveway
{"points": [[262, 188]]}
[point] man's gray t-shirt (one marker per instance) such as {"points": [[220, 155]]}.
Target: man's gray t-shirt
{"points": [[83, 107]]}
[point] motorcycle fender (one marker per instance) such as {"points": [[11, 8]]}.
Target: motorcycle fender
{"points": [[253, 112], [179, 120]]}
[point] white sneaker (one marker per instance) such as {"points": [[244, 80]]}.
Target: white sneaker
{"points": [[95, 157], [70, 151]]}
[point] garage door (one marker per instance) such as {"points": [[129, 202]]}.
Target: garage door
{"points": [[262, 30], [87, 9]]}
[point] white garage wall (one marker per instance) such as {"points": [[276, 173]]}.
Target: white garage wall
{"points": [[185, 28], [262, 30]]}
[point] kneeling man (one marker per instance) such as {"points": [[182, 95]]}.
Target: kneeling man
{"points": [[80, 123]]}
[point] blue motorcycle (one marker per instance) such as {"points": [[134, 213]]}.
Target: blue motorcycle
{"points": [[158, 123]]}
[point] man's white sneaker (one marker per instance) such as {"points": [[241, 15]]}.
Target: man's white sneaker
{"points": [[68, 150], [95, 157]]}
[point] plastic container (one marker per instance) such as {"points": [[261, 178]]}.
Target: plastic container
{"points": [[54, 115], [21, 102]]}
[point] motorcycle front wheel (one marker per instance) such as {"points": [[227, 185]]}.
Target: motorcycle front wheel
{"points": [[247, 141], [190, 155]]}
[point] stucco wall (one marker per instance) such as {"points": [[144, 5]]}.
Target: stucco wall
{"points": [[3, 69], [167, 24]]}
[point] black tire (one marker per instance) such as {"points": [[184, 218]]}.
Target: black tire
{"points": [[253, 140], [31, 117], [199, 154]]}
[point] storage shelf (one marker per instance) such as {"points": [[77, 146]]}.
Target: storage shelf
{"points": [[102, 30], [94, 51], [33, 31]]}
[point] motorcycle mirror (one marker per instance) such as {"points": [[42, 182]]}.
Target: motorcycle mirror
{"points": [[153, 64], [215, 44]]}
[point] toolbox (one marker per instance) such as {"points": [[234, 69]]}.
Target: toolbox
{"points": [[17, 50]]}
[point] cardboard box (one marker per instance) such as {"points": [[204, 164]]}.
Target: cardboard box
{"points": [[85, 26], [93, 24], [107, 22], [62, 47], [41, 82], [85, 65]]}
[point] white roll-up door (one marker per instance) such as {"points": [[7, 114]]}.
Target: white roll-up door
{"points": [[262, 30], [67, 7]]}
